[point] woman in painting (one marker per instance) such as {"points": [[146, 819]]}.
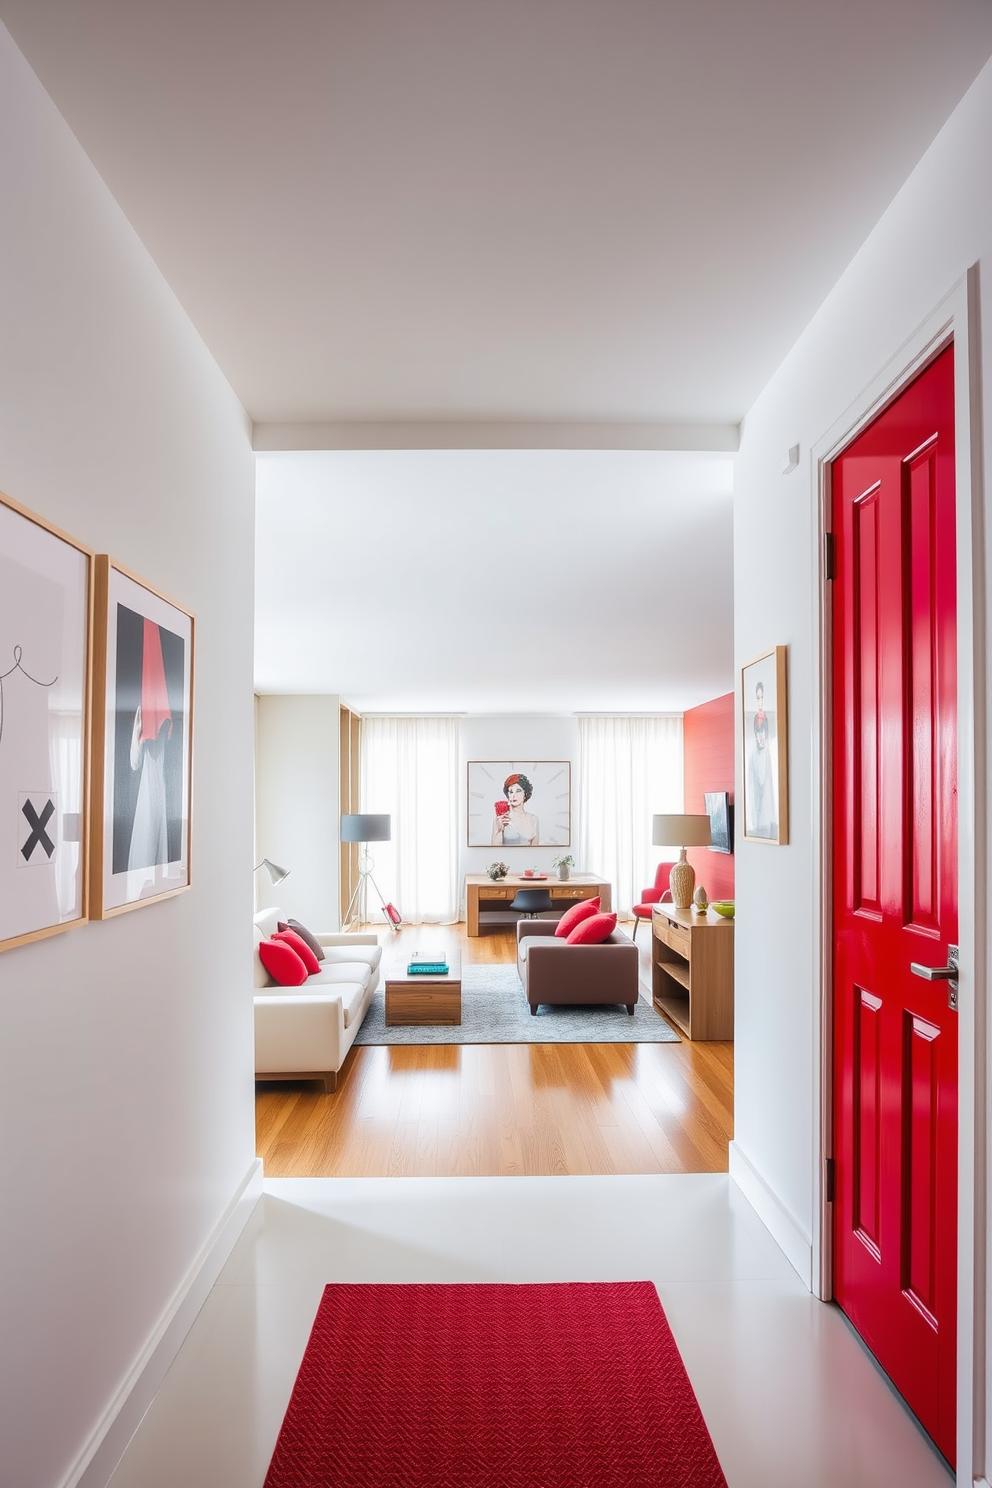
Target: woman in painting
{"points": [[516, 827], [760, 802], [150, 734]]}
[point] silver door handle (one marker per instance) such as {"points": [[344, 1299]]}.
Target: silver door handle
{"points": [[948, 973]]}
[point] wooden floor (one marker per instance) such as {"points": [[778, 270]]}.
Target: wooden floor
{"points": [[470, 1110]]}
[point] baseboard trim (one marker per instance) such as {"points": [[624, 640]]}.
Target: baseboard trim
{"points": [[784, 1228], [109, 1438]]}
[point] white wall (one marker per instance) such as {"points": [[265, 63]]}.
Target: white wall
{"points": [[297, 810], [126, 1096], [939, 224], [555, 737]]}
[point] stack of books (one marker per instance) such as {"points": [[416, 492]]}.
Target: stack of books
{"points": [[423, 964]]}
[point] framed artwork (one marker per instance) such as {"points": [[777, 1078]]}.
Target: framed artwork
{"points": [[46, 612], [764, 734], [519, 803], [721, 815], [142, 738]]}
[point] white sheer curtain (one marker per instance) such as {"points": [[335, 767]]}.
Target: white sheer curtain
{"points": [[629, 769], [409, 768]]}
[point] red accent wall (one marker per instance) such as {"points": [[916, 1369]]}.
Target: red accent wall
{"points": [[708, 744]]}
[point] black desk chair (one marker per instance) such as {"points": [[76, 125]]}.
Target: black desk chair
{"points": [[531, 902]]}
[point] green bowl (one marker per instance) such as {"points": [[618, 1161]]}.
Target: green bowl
{"points": [[724, 907]]}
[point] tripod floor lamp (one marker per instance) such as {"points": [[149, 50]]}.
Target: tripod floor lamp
{"points": [[364, 828]]}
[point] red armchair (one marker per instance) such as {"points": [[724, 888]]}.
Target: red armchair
{"points": [[660, 894]]}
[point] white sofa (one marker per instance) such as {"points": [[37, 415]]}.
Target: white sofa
{"points": [[304, 1033]]}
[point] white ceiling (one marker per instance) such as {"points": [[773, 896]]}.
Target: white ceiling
{"points": [[533, 581], [447, 210]]}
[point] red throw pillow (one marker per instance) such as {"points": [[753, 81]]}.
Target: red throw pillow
{"points": [[593, 930], [282, 963], [576, 915], [301, 948]]}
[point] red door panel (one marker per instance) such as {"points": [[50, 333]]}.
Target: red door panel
{"points": [[895, 893]]}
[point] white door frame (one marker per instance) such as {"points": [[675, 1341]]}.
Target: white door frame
{"points": [[957, 318]]}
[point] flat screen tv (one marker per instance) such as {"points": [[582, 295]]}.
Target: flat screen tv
{"points": [[721, 815]]}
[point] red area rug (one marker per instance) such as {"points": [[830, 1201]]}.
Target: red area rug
{"points": [[574, 1385]]}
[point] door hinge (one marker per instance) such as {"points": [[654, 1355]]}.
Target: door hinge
{"points": [[829, 1173], [829, 556]]}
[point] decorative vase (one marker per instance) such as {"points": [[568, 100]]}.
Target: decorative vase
{"points": [[682, 881], [562, 871], [700, 900]]}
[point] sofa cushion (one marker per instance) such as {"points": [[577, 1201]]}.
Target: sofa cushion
{"points": [[544, 941], [301, 948], [593, 931], [371, 955], [267, 921], [304, 934], [283, 963], [336, 973], [575, 916], [354, 1001]]}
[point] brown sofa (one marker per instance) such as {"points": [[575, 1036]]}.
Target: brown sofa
{"points": [[552, 971]]}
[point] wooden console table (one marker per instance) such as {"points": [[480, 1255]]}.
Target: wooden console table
{"points": [[485, 895], [692, 970]]}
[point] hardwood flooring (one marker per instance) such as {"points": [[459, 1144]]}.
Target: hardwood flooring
{"points": [[471, 1110]]}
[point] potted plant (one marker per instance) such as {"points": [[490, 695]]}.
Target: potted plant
{"points": [[497, 871], [562, 864]]}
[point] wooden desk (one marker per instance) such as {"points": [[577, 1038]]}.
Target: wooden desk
{"points": [[692, 970], [484, 895]]}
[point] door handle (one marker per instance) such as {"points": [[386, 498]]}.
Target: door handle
{"points": [[948, 973]]}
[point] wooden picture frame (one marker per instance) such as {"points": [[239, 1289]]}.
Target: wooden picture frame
{"points": [[547, 791], [764, 740], [46, 651], [142, 743]]}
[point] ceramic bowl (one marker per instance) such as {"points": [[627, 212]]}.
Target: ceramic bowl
{"points": [[724, 907]]}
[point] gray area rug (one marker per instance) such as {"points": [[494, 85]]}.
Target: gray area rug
{"points": [[495, 1011]]}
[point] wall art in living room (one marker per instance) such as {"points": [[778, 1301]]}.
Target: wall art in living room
{"points": [[764, 730], [519, 803], [45, 580], [142, 732]]}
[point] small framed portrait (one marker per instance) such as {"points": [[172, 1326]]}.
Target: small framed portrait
{"points": [[45, 659], [764, 734], [519, 803], [142, 743]]}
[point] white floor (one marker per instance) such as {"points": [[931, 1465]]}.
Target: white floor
{"points": [[791, 1398]]}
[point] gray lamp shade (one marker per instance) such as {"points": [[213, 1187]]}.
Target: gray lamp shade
{"points": [[367, 828], [681, 831], [274, 871]]}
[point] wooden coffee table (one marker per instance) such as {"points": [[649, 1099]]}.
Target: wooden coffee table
{"points": [[424, 999]]}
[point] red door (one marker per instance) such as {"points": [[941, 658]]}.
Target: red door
{"points": [[895, 894]]}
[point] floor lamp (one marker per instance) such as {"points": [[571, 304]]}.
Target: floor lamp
{"points": [[362, 827]]}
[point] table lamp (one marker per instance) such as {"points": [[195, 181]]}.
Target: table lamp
{"points": [[681, 832]]}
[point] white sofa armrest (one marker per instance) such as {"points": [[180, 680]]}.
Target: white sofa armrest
{"points": [[324, 938], [299, 1031]]}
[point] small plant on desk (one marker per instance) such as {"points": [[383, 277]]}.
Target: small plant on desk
{"points": [[563, 863], [497, 871]]}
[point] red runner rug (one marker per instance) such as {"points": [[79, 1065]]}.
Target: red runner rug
{"points": [[573, 1385]]}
